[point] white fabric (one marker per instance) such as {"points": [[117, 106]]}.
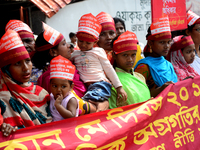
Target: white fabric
{"points": [[196, 64], [93, 66], [55, 114]]}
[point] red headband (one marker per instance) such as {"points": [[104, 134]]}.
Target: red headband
{"points": [[161, 36], [85, 37], [108, 26], [181, 43], [25, 34], [197, 22], [125, 42]]}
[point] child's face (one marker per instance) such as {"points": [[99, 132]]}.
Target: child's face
{"points": [[74, 39], [60, 86], [21, 71], [189, 53], [64, 49], [85, 46], [126, 60]]}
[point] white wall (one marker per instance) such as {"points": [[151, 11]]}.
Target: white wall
{"points": [[135, 13]]}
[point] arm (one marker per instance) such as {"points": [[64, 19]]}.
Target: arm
{"points": [[68, 112], [154, 89], [158, 90], [112, 75]]}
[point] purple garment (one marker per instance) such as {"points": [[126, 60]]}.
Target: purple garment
{"points": [[79, 87]]}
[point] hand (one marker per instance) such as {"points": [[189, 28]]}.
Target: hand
{"points": [[7, 129], [188, 77], [59, 100], [121, 94], [101, 106], [166, 84]]}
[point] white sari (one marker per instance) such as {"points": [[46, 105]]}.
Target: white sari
{"points": [[196, 64]]}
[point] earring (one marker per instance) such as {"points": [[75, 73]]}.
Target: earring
{"points": [[150, 50]]}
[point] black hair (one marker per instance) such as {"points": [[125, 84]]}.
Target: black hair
{"points": [[41, 58], [116, 20], [182, 32], [147, 46], [72, 34], [112, 43]]}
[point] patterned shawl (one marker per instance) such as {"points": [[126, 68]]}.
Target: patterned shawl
{"points": [[181, 67], [23, 106]]}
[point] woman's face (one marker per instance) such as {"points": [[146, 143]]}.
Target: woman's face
{"points": [[125, 60], [195, 34], [189, 53], [63, 49], [29, 44], [119, 28], [105, 39], [160, 48], [21, 71]]}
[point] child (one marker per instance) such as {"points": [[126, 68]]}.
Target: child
{"points": [[22, 103], [158, 72], [92, 63], [63, 103], [124, 55], [182, 53]]}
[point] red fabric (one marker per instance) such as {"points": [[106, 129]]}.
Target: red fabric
{"points": [[161, 36], [169, 121], [108, 26], [49, 46], [32, 96], [85, 37], [125, 42], [13, 56], [25, 34], [181, 43]]}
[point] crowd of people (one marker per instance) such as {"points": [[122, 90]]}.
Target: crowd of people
{"points": [[49, 79]]}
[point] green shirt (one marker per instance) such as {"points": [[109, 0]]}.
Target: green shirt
{"points": [[135, 87]]}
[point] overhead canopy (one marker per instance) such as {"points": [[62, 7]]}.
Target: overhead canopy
{"points": [[50, 7]]}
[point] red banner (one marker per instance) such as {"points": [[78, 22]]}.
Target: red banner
{"points": [[175, 9], [169, 121]]}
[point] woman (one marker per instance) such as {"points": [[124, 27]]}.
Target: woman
{"points": [[182, 53], [119, 25], [108, 33], [45, 51], [133, 83], [158, 72], [22, 103], [28, 40]]}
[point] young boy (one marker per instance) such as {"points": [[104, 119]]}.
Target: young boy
{"points": [[92, 63], [63, 103]]}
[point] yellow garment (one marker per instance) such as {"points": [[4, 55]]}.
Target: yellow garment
{"points": [[138, 55]]}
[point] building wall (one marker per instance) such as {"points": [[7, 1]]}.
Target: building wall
{"points": [[135, 13]]}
